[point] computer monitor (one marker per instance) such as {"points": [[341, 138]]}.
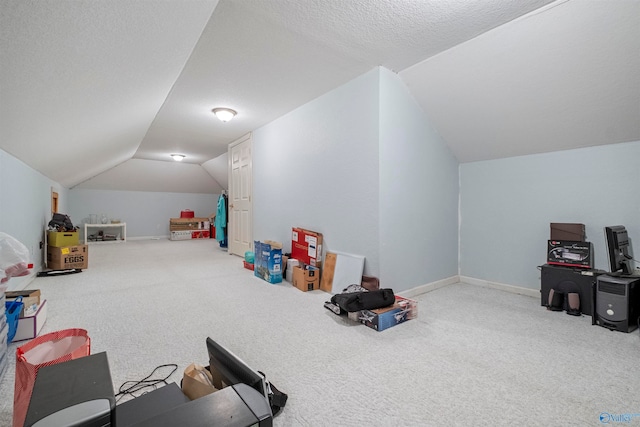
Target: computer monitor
{"points": [[232, 370], [618, 245]]}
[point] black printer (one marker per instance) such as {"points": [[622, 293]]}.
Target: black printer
{"points": [[80, 393]]}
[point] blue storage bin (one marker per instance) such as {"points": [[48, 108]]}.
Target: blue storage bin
{"points": [[13, 309]]}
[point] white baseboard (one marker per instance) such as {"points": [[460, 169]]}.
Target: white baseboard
{"points": [[149, 238], [423, 289], [501, 286]]}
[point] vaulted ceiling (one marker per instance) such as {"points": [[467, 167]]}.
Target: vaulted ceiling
{"points": [[98, 94]]}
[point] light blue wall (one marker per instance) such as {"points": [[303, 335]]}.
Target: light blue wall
{"points": [[145, 213], [418, 193], [25, 205], [362, 165], [317, 168], [508, 204]]}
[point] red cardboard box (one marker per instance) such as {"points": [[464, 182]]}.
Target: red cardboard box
{"points": [[306, 246]]}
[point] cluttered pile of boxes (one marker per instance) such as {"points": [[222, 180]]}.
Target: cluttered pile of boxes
{"points": [[569, 270], [188, 226], [301, 266], [304, 268], [570, 283], [33, 313], [64, 251]]}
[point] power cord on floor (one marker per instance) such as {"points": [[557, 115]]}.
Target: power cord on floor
{"points": [[133, 387]]}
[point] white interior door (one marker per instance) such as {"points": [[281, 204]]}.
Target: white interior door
{"points": [[240, 228]]}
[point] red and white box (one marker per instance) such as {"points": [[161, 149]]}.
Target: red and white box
{"points": [[306, 246]]}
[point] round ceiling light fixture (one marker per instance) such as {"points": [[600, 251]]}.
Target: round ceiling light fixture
{"points": [[224, 114], [178, 157]]}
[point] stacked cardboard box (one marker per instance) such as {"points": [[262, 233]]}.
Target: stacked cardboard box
{"points": [[189, 228], [64, 251], [63, 238], [306, 246], [68, 257], [307, 278], [30, 300], [31, 318]]}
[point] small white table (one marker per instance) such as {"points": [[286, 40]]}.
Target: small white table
{"points": [[121, 225]]}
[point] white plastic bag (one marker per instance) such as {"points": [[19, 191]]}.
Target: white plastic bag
{"points": [[14, 258]]}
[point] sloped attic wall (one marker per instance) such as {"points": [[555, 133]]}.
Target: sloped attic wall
{"points": [[418, 192], [508, 204], [361, 165]]}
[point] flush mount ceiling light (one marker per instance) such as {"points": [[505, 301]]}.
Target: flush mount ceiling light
{"points": [[178, 157], [224, 114]]}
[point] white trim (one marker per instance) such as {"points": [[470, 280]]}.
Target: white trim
{"points": [[166, 236], [423, 289], [501, 286]]}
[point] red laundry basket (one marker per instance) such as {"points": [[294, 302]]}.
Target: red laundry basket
{"points": [[187, 213]]}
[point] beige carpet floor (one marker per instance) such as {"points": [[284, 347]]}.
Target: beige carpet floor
{"points": [[474, 356]]}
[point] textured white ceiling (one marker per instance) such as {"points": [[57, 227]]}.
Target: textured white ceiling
{"points": [[81, 81], [109, 89], [267, 58], [563, 77]]}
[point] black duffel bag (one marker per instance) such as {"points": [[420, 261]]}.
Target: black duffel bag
{"points": [[356, 301]]}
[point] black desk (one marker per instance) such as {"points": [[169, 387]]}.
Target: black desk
{"points": [[234, 406], [567, 279], [137, 410], [80, 393]]}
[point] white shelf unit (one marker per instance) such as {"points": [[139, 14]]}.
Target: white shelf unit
{"points": [[121, 225]]}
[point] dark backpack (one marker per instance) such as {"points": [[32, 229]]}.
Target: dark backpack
{"points": [[61, 221]]}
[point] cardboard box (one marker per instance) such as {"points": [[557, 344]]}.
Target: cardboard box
{"points": [[306, 246], [68, 257], [567, 231], [384, 318], [30, 299], [63, 238], [569, 253], [268, 261], [306, 279], [180, 224], [29, 327]]}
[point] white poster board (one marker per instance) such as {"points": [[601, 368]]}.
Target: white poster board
{"points": [[348, 271]]}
